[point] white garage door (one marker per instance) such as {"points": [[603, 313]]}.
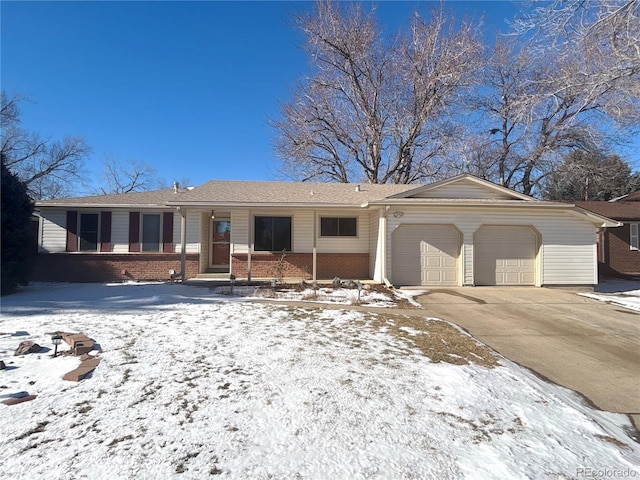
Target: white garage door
{"points": [[425, 255], [505, 256]]}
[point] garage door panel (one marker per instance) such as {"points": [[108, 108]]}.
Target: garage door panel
{"points": [[434, 262], [505, 255], [425, 255]]}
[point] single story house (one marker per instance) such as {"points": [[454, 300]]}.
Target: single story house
{"points": [[618, 248], [456, 232]]}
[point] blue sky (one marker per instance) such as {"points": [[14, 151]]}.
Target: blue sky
{"points": [[188, 87]]}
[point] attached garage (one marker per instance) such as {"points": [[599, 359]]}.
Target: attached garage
{"points": [[425, 255], [505, 255]]}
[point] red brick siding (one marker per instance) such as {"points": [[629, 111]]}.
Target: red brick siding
{"points": [[618, 256], [66, 267], [265, 265], [300, 265], [343, 265]]}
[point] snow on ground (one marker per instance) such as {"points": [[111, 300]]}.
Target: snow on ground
{"points": [[194, 384], [368, 296], [625, 293]]}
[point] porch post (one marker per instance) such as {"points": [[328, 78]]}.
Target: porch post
{"points": [[382, 233], [315, 250], [249, 248], [183, 243]]}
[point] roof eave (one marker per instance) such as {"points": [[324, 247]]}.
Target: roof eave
{"points": [[98, 205], [598, 220], [464, 176], [422, 202], [282, 205]]}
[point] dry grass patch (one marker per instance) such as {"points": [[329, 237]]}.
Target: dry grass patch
{"points": [[439, 340]]}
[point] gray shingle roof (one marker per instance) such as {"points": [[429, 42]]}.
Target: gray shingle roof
{"points": [[245, 193], [616, 210], [291, 192]]}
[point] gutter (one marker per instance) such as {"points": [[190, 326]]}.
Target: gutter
{"points": [[596, 219], [415, 202], [99, 205], [261, 204]]}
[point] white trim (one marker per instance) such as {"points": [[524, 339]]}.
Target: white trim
{"points": [[338, 217], [465, 177], [634, 243]]}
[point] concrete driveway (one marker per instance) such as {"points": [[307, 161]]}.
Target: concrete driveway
{"points": [[583, 344]]}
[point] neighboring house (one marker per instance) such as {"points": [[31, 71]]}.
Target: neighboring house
{"points": [[619, 248], [460, 231]]}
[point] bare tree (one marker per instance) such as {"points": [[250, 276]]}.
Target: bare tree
{"points": [[48, 168], [588, 176], [131, 176], [375, 109], [604, 35], [533, 113]]}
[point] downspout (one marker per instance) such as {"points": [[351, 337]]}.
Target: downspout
{"points": [[249, 248], [315, 250], [383, 244], [40, 231], [183, 243]]}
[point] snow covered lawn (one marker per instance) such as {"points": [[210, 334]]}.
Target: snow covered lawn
{"points": [[625, 293], [367, 296], [194, 384]]}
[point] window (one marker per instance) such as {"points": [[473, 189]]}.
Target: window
{"points": [[634, 243], [272, 234], [338, 227], [88, 238], [151, 232]]}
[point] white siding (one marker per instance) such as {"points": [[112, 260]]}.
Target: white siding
{"points": [[193, 232], [205, 221], [463, 190], [568, 243], [239, 231], [303, 231], [54, 231], [358, 244], [120, 232], [568, 247], [302, 228]]}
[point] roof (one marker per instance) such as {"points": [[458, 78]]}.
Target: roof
{"points": [[234, 193], [150, 198], [290, 193], [627, 210], [632, 197], [498, 191], [228, 192]]}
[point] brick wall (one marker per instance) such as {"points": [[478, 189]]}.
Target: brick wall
{"points": [[265, 265], [300, 265], [87, 267], [619, 258], [343, 265]]}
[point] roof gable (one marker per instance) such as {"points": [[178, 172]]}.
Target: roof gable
{"points": [[464, 187]]}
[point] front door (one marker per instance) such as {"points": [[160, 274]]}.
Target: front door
{"points": [[220, 245]]}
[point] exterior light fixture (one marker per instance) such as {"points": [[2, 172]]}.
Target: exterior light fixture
{"points": [[398, 214], [213, 215], [359, 285], [56, 340]]}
